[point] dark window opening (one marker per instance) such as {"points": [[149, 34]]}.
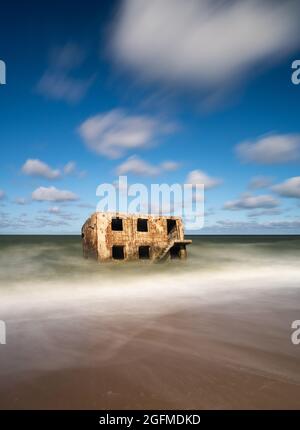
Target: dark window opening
{"points": [[142, 224], [118, 252], [171, 225], [117, 224], [175, 252], [144, 252]]}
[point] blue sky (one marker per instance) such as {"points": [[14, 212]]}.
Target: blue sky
{"points": [[126, 86]]}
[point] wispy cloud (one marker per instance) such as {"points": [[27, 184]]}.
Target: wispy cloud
{"points": [[53, 194], [57, 211], [86, 206], [139, 167], [265, 212], [21, 201], [289, 188], [9, 221], [205, 43], [114, 133], [70, 167], [24, 222], [253, 227], [2, 194], [248, 201], [54, 210], [258, 182], [42, 221], [272, 149], [57, 81]]}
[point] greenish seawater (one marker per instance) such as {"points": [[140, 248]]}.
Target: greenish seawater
{"points": [[56, 258]]}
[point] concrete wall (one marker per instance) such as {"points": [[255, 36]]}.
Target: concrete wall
{"points": [[90, 238]]}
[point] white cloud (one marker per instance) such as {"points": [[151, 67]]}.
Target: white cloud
{"points": [[206, 42], [39, 168], [258, 182], [114, 133], [53, 194], [137, 166], [289, 188], [57, 82], [2, 194], [247, 201], [271, 149], [200, 177], [35, 167]]}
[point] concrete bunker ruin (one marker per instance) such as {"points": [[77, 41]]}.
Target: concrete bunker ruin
{"points": [[116, 236]]}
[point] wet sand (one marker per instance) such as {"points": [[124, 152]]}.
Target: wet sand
{"points": [[224, 356]]}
